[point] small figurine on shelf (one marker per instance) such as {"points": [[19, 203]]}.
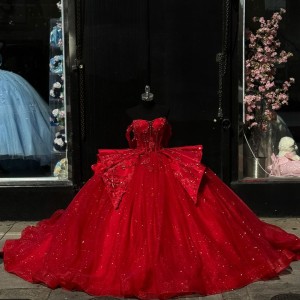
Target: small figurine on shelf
{"points": [[287, 147], [60, 143], [56, 64], [61, 169], [56, 38], [287, 162], [56, 91], [59, 5], [57, 117]]}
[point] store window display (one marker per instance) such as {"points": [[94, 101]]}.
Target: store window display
{"points": [[25, 132], [33, 133], [271, 88], [287, 162]]}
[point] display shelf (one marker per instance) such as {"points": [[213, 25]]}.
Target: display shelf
{"points": [[57, 96]]}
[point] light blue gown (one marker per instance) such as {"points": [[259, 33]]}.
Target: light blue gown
{"points": [[24, 121]]}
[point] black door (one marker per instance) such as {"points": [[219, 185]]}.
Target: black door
{"points": [[170, 45]]}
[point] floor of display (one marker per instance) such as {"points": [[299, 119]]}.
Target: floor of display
{"points": [[271, 179], [285, 287]]}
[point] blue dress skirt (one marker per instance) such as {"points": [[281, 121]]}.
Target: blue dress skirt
{"points": [[25, 131]]}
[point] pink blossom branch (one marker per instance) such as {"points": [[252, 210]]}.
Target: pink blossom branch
{"points": [[260, 71]]}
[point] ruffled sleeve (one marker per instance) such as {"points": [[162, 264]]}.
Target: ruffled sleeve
{"points": [[131, 140]]}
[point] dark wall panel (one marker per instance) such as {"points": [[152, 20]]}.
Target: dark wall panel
{"points": [[181, 39]]}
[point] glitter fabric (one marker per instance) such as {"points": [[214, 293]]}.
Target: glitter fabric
{"points": [[152, 222]]}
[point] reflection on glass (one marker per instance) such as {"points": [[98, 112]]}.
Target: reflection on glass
{"points": [[271, 114], [33, 135]]}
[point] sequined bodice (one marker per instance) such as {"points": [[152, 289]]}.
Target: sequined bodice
{"points": [[148, 135]]}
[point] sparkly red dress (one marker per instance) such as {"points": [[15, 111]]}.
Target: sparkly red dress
{"points": [[152, 222]]}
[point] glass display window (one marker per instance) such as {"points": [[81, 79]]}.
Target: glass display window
{"points": [[269, 91], [34, 105]]}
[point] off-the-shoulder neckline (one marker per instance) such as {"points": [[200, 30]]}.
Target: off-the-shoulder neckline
{"points": [[149, 120]]}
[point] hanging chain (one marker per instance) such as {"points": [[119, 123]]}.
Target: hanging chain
{"points": [[80, 66], [148, 32], [222, 56]]}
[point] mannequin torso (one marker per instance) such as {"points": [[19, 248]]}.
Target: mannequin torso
{"points": [[148, 111]]}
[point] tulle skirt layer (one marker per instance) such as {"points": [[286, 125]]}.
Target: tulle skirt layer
{"points": [[24, 127], [157, 244]]}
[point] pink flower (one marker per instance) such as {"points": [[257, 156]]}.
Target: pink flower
{"points": [[263, 96], [253, 124], [249, 117], [269, 85], [275, 106]]}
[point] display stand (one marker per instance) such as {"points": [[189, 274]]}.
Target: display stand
{"points": [[59, 166]]}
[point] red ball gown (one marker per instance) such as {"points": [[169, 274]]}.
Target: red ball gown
{"points": [[152, 222]]}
